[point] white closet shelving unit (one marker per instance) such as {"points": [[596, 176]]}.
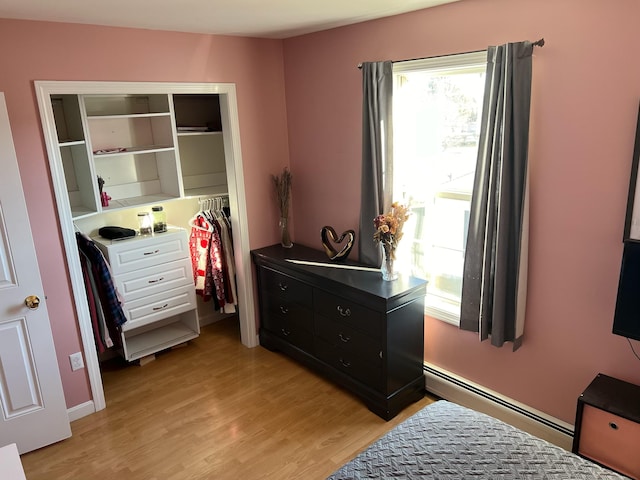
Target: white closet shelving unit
{"points": [[151, 143], [201, 144], [146, 148], [130, 140]]}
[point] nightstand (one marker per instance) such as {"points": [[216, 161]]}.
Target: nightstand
{"points": [[607, 427]]}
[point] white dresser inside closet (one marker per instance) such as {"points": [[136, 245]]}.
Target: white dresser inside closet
{"points": [[154, 277]]}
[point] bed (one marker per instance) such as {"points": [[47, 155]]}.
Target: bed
{"points": [[445, 441]]}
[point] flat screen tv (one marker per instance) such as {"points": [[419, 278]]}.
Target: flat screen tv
{"points": [[626, 320]]}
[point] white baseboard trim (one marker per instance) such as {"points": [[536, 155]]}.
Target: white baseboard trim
{"points": [[459, 390], [82, 410]]}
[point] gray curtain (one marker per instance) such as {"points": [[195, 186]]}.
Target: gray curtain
{"points": [[377, 147], [495, 265]]}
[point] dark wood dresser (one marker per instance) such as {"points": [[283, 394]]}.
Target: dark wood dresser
{"points": [[359, 331]]}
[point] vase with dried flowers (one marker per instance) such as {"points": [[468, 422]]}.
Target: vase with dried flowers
{"points": [[388, 234], [282, 184]]}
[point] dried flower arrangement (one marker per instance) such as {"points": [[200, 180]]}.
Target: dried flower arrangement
{"points": [[389, 227], [282, 184]]}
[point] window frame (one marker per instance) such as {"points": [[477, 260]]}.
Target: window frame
{"points": [[441, 65]]}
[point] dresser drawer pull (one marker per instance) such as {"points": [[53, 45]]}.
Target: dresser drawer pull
{"points": [[344, 363], [283, 286], [155, 309], [343, 338], [156, 281], [151, 253], [613, 425], [344, 312], [285, 332], [284, 309]]}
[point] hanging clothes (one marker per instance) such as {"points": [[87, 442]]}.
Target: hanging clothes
{"points": [[199, 241], [207, 258], [102, 296], [211, 248], [216, 253], [98, 334], [224, 226]]}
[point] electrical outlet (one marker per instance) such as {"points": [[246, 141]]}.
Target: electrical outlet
{"points": [[76, 361]]}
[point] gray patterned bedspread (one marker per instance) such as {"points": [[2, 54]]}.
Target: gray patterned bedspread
{"points": [[445, 441]]}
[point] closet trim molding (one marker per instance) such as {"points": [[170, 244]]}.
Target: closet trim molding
{"points": [[237, 200]]}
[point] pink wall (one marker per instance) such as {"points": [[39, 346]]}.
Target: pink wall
{"points": [[49, 51], [586, 87], [585, 98]]}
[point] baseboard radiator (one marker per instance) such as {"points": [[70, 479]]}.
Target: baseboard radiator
{"points": [[459, 390]]}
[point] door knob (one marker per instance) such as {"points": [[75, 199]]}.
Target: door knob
{"points": [[32, 302]]}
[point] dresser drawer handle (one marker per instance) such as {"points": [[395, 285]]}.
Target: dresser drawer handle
{"points": [[284, 309], [343, 338], [283, 286], [285, 332], [345, 363], [344, 312], [613, 425], [151, 253], [156, 281], [155, 309]]}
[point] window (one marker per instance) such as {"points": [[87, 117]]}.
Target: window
{"points": [[437, 105]]}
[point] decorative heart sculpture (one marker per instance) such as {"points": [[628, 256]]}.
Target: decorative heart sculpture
{"points": [[329, 235]]}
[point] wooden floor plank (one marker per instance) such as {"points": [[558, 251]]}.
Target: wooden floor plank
{"points": [[217, 410]]}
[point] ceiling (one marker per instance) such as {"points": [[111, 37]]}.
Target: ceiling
{"points": [[253, 18]]}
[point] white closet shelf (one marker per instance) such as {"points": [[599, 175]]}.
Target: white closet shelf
{"points": [[136, 150], [159, 339], [137, 201], [206, 191], [70, 143], [81, 211], [128, 115], [194, 134]]}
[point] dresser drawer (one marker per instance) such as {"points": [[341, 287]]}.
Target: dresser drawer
{"points": [[288, 312], [141, 252], [350, 341], [349, 313], [294, 330], [156, 279], [288, 320], [152, 308], [285, 288], [610, 440], [350, 362]]}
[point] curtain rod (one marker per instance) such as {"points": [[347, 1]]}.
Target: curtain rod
{"points": [[538, 43]]}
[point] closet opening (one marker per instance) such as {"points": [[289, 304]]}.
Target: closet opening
{"points": [[118, 149]]}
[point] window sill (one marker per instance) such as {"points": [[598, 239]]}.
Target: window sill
{"points": [[442, 314]]}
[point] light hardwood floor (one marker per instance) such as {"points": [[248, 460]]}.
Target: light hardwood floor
{"points": [[214, 410]]}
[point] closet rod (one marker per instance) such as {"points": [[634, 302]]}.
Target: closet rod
{"points": [[214, 195], [214, 201]]}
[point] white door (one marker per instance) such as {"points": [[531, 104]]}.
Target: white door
{"points": [[34, 413]]}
